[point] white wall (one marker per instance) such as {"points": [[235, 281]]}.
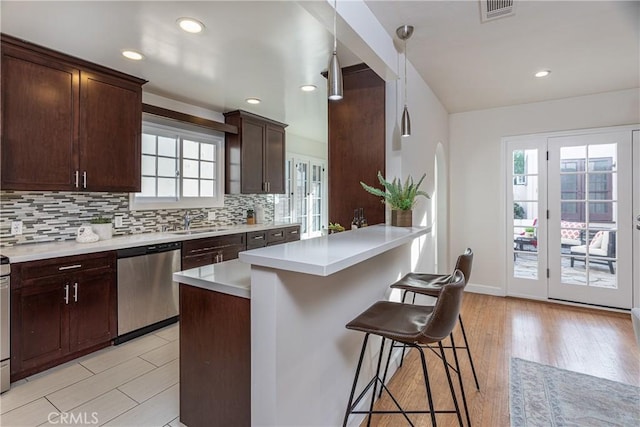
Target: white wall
{"points": [[475, 168], [414, 155], [300, 145]]}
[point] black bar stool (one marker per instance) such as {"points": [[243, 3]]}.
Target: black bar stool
{"points": [[431, 285], [413, 325]]}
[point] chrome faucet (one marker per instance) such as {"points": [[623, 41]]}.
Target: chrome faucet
{"points": [[188, 219]]}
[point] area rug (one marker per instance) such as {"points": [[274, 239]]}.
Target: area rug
{"points": [[544, 396]]}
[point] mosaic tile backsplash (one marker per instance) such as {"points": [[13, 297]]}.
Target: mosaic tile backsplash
{"points": [[54, 216]]}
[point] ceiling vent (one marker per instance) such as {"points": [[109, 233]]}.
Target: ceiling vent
{"points": [[495, 9]]}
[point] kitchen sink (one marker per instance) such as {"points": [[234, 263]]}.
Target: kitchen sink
{"points": [[198, 231]]}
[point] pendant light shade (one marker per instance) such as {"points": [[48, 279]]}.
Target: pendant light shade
{"points": [[405, 127], [334, 75], [335, 78], [404, 33]]}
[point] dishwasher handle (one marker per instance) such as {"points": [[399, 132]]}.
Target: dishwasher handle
{"points": [[151, 249]]}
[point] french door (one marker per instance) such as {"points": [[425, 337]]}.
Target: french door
{"points": [[570, 236], [305, 197], [590, 188]]}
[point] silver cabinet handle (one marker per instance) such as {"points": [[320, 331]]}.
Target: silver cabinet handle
{"points": [[278, 234], [75, 292], [84, 179], [66, 294], [69, 267], [258, 237], [294, 231], [77, 178]]}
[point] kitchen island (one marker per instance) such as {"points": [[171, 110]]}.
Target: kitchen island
{"points": [[300, 296]]}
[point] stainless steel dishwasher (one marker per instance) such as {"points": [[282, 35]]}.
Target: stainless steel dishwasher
{"points": [[147, 294]]}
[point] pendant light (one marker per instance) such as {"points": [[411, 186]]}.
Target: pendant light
{"points": [[335, 72], [404, 33]]}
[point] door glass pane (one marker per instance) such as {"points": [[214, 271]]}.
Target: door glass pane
{"points": [[588, 235], [207, 152], [206, 170], [525, 214]]}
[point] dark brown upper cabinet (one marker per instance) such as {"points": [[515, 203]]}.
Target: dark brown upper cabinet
{"points": [[67, 124], [255, 157]]}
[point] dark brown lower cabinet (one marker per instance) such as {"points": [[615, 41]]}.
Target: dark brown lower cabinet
{"points": [[210, 250], [61, 308], [215, 358]]}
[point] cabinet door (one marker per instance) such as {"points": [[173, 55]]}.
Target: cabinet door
{"points": [[253, 135], [92, 303], [274, 161], [39, 101], [110, 133], [39, 324]]}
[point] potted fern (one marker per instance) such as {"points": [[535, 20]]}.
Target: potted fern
{"points": [[400, 198]]}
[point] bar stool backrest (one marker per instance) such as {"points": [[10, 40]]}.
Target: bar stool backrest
{"points": [[445, 311], [464, 263]]}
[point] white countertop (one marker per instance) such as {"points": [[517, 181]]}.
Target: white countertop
{"points": [[38, 251], [323, 256], [229, 277]]}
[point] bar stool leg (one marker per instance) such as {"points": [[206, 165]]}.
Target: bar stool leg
{"points": [[466, 344], [375, 384], [464, 397], [355, 381], [427, 385], [453, 392]]}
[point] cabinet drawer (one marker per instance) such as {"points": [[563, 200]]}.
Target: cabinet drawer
{"points": [[256, 239], [292, 233], [65, 265], [275, 236], [212, 244], [212, 257]]}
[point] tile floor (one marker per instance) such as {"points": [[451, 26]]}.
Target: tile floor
{"points": [[133, 384]]}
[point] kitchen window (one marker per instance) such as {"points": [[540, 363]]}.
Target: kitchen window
{"points": [[180, 169]]}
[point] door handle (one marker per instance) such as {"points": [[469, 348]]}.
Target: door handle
{"points": [[66, 294], [77, 178], [75, 292], [84, 179]]}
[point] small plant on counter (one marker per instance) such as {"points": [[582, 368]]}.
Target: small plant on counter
{"points": [[100, 220], [397, 196], [335, 227]]}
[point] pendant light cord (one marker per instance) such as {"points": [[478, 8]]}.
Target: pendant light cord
{"points": [[335, 37], [405, 72]]}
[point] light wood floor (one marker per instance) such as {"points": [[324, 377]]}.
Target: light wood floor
{"points": [[589, 341]]}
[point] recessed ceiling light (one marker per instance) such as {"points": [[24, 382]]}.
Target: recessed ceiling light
{"points": [[308, 88], [543, 73], [253, 100], [132, 54], [190, 25]]}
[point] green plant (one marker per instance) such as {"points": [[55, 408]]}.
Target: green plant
{"points": [[335, 227], [396, 195], [518, 211], [100, 220], [529, 230]]}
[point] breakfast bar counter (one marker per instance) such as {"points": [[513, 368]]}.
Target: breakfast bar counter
{"points": [[277, 350]]}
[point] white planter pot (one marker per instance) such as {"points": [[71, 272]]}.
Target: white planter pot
{"points": [[104, 231]]}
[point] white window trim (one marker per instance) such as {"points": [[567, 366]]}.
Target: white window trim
{"points": [[217, 138]]}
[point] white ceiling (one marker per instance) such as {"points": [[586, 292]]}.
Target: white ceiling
{"points": [[590, 47], [268, 49]]}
